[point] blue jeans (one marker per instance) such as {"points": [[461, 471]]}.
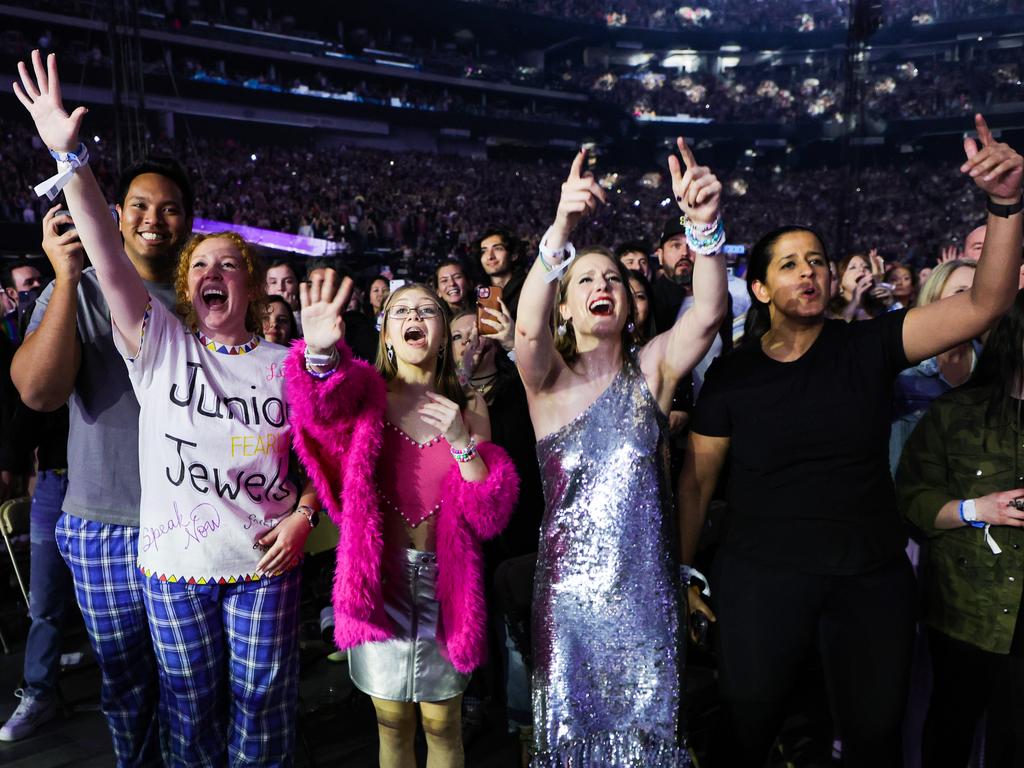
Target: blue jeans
{"points": [[50, 590]]}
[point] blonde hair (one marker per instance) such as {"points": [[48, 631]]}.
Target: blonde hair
{"points": [[565, 343], [253, 265], [936, 282], [446, 379]]}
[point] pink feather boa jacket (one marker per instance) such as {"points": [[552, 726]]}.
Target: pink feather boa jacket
{"points": [[337, 425]]}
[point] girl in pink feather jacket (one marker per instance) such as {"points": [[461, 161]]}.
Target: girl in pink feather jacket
{"points": [[399, 457]]}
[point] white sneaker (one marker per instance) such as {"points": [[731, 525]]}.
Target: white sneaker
{"points": [[30, 714]]}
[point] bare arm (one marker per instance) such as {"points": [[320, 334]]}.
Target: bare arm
{"points": [[123, 289], [702, 466], [941, 325], [46, 364], [536, 356], [675, 352]]}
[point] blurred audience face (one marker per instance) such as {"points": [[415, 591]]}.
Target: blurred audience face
{"points": [[676, 261], [902, 285], [153, 221], [277, 322], [636, 261], [855, 270], [379, 290], [641, 301], [464, 336], [959, 281], [922, 276], [451, 284], [974, 242], [25, 279], [281, 281], [796, 283], [495, 257]]}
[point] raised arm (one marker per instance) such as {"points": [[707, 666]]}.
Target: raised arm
{"points": [[123, 289], [536, 356], [46, 364], [671, 355], [936, 327]]}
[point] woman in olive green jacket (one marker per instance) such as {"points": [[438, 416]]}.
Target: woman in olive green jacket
{"points": [[959, 482]]}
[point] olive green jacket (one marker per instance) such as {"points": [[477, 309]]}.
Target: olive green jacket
{"points": [[971, 594]]}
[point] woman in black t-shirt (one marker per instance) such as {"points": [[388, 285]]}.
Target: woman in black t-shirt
{"points": [[812, 556]]}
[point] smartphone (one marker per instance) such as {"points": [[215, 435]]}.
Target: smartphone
{"points": [[593, 153], [486, 296], [62, 228]]}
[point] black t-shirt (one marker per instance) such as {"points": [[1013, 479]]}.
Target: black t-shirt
{"points": [[809, 483]]}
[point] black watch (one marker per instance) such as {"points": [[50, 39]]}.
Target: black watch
{"points": [[1004, 211]]}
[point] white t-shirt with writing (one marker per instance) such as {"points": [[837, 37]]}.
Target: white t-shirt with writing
{"points": [[213, 451]]}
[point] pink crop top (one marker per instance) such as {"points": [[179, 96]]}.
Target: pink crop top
{"points": [[410, 475]]}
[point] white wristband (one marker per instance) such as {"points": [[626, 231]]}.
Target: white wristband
{"points": [[548, 255], [67, 164]]}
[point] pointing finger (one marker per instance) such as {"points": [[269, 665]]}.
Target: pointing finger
{"points": [[983, 132], [685, 152], [576, 170]]}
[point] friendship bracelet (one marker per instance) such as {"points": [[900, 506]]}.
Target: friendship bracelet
{"points": [[706, 243], [67, 164], [320, 360], [463, 455], [320, 374]]}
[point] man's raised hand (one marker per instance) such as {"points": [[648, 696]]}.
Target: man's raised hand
{"points": [[995, 167], [697, 190], [39, 92]]}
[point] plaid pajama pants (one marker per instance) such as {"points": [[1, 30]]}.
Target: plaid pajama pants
{"points": [[228, 657], [108, 587]]}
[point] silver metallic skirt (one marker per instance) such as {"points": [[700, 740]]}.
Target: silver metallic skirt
{"points": [[410, 666]]}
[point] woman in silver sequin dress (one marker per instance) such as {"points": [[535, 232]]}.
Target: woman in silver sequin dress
{"points": [[606, 627]]}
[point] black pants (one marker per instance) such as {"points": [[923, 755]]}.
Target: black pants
{"points": [[969, 682], [771, 618]]}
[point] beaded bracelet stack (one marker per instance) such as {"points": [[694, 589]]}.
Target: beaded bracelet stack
{"points": [[462, 455], [320, 361], [705, 239]]}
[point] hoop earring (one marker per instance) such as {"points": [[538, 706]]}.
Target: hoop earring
{"points": [[391, 353], [440, 353]]}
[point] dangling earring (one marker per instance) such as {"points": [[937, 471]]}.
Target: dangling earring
{"points": [[630, 326], [562, 329], [440, 353], [391, 353]]}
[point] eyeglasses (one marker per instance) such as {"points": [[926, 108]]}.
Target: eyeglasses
{"points": [[422, 312]]}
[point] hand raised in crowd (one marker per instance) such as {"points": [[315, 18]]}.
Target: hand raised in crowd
{"points": [[865, 284], [505, 327], [42, 98], [950, 253], [697, 190], [876, 263], [996, 168], [999, 508], [884, 294], [581, 195], [65, 252], [323, 301], [446, 417]]}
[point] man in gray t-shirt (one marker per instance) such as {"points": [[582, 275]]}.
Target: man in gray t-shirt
{"points": [[69, 357]]}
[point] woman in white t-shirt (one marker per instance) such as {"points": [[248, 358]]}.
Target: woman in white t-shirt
{"points": [[218, 540]]}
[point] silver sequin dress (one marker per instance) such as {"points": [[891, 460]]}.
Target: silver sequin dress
{"points": [[606, 610]]}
